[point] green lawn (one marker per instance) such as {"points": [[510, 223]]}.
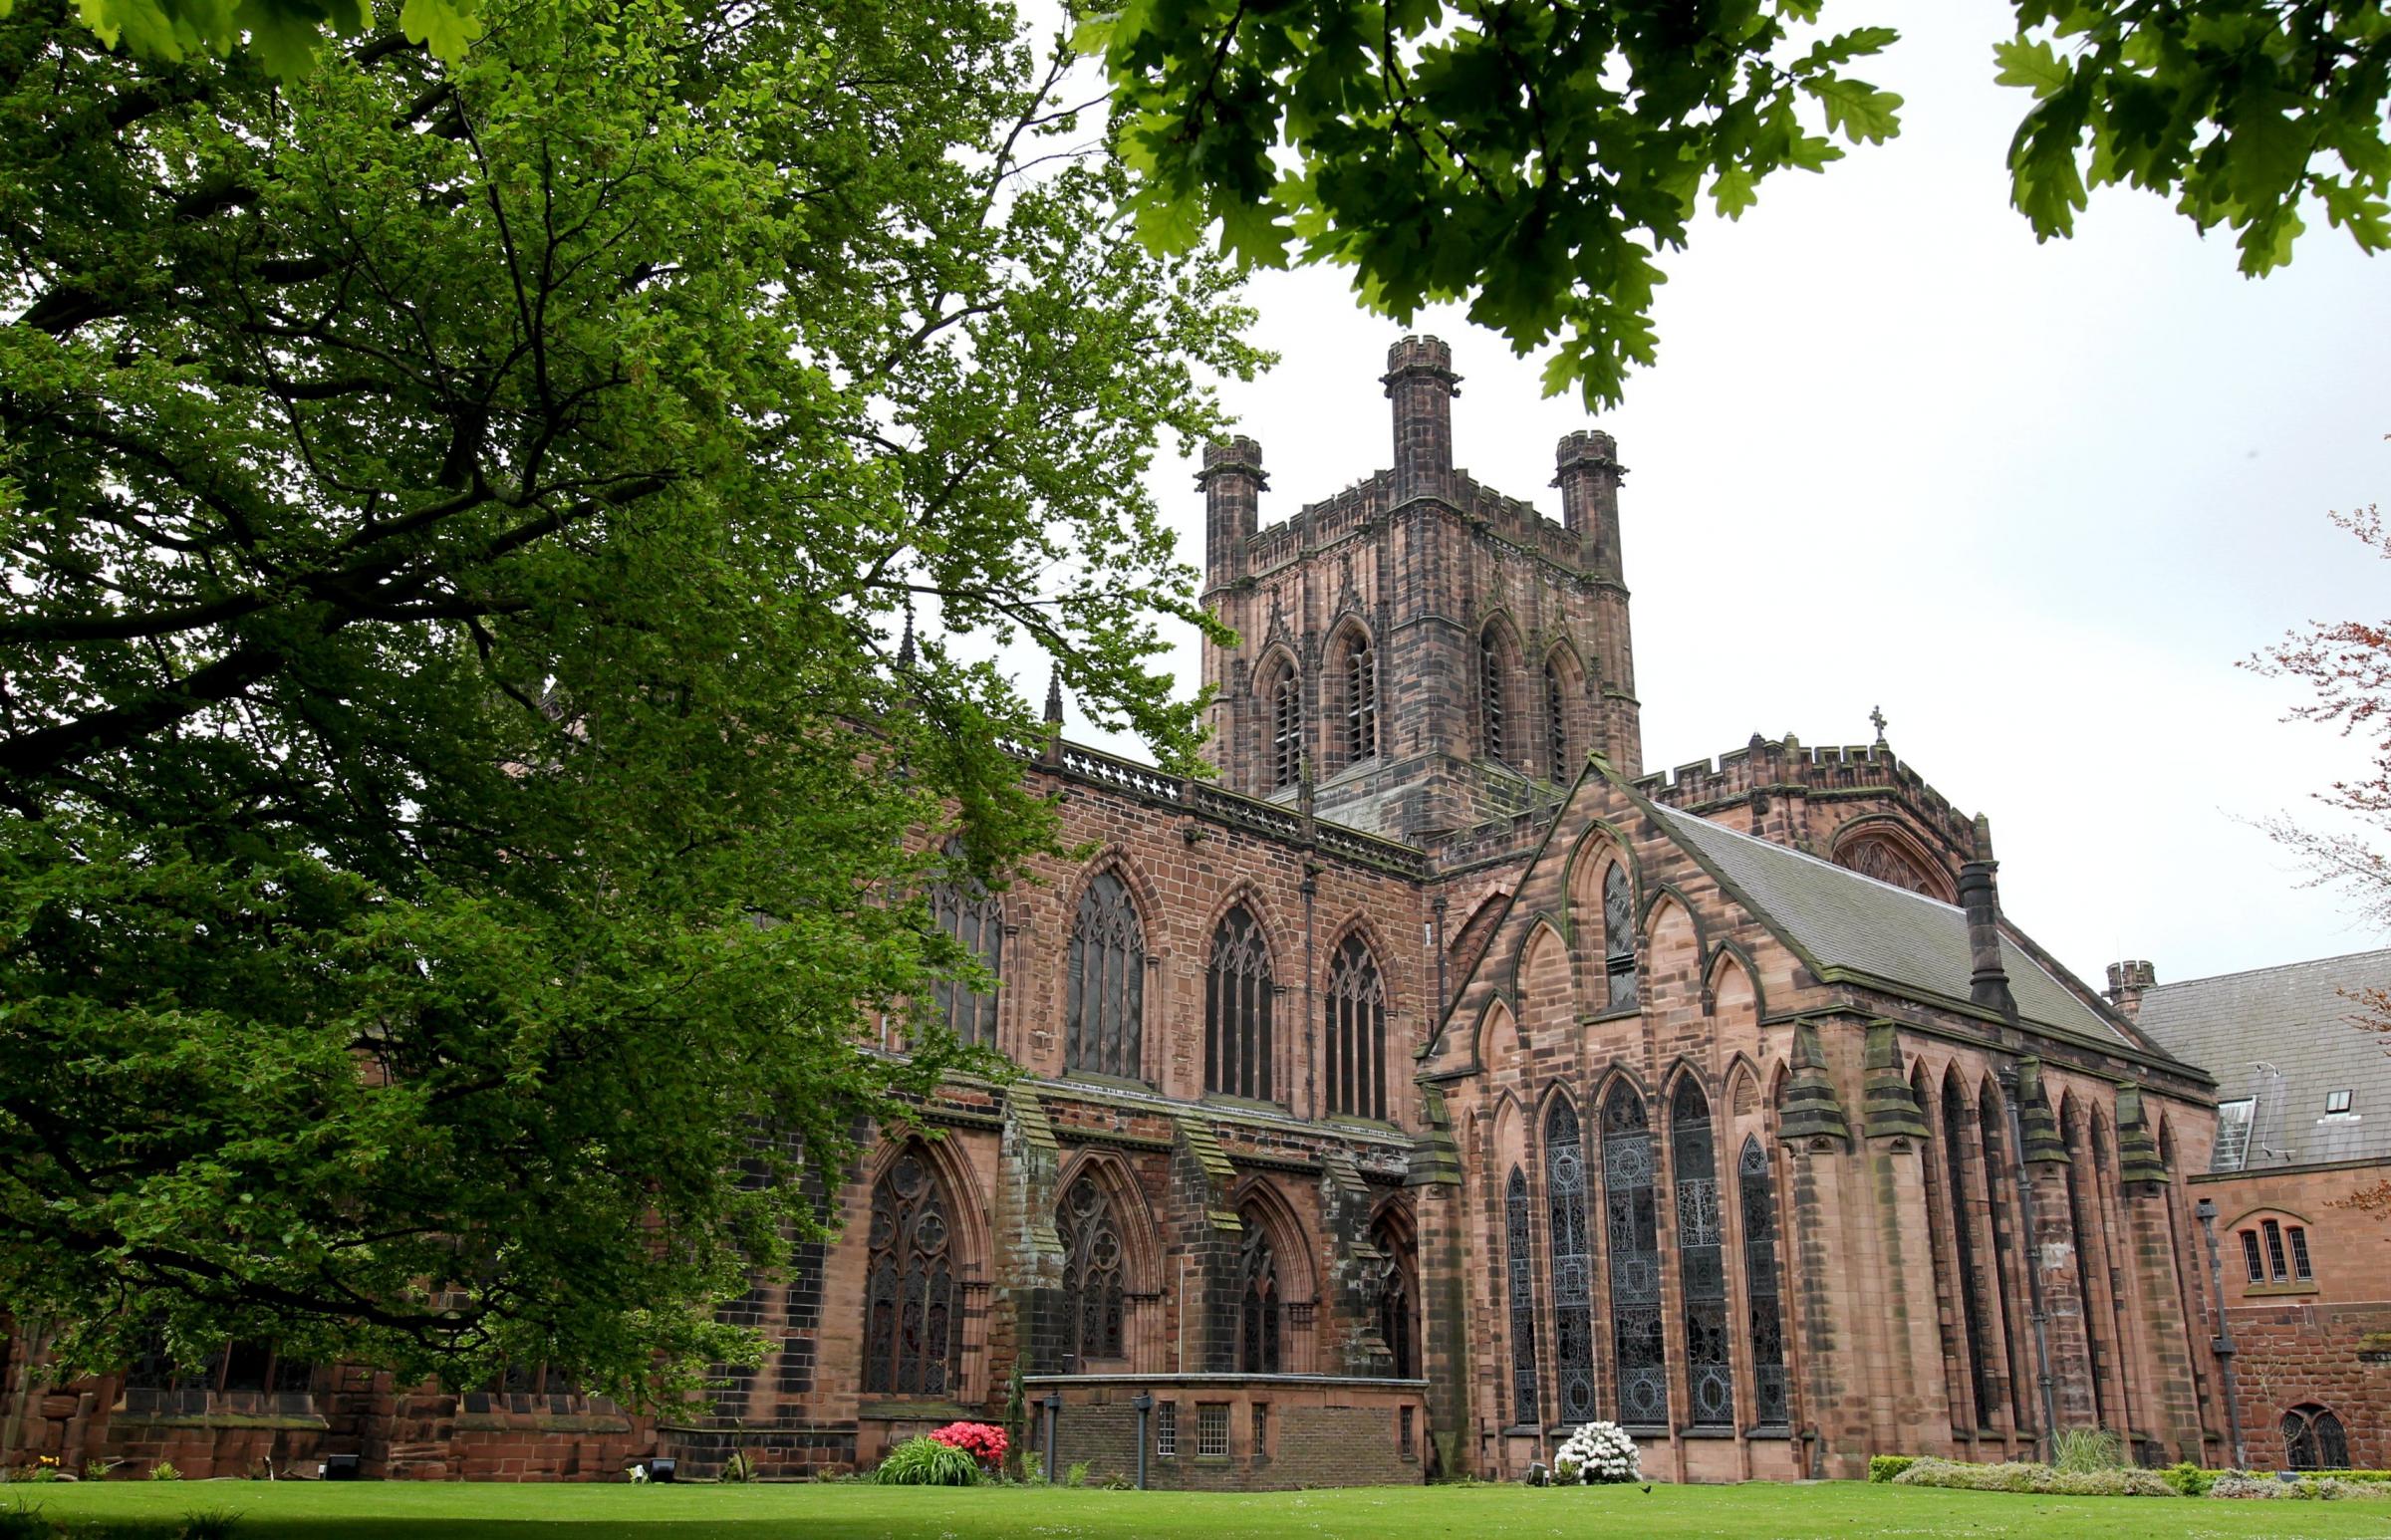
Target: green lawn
{"points": [[1837, 1511]]}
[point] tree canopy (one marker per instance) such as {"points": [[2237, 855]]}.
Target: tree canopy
{"points": [[460, 790]]}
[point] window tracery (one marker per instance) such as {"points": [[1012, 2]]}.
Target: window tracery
{"points": [[975, 916], [2313, 1439], [1396, 1307], [913, 1337], [1104, 1005], [1632, 1216], [1361, 702], [1237, 1000], [1356, 1033], [1095, 1288], [1522, 1293], [1573, 1265], [1259, 1307], [1619, 938], [1760, 1285], [1702, 1258], [1973, 1316], [1286, 729]]}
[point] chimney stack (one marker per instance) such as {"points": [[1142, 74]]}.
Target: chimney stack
{"points": [[1421, 383], [1989, 977], [1588, 472], [2126, 980], [1232, 483]]}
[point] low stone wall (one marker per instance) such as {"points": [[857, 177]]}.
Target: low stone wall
{"points": [[1238, 1433]]}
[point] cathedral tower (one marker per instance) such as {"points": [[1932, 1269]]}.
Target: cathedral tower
{"points": [[1432, 654]]}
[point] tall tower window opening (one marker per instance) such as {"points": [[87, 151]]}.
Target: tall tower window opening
{"points": [[1633, 1220], [1556, 722], [1361, 703], [1522, 1279], [1104, 1005], [1573, 1265], [1356, 1031], [1490, 685], [1236, 1010], [1619, 938], [1286, 731]]}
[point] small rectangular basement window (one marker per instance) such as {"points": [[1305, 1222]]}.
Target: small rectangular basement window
{"points": [[1165, 1430], [1211, 1427]]}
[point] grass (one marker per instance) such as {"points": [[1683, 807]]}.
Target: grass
{"points": [[1830, 1511]]}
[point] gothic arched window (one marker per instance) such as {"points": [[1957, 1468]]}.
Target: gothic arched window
{"points": [[1556, 721], [975, 918], [2085, 1235], [1490, 673], [2009, 1258], [1094, 1291], [1258, 1304], [1360, 687], [1972, 1313], [1632, 1222], [1701, 1257], [1522, 1267], [912, 1316], [1619, 938], [1286, 729], [1395, 1304], [1356, 1030], [1761, 1286], [2313, 1439], [1104, 1010], [1236, 1010], [1573, 1265]]}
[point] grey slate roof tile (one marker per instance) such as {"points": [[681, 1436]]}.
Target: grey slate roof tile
{"points": [[1847, 920], [2282, 1037]]}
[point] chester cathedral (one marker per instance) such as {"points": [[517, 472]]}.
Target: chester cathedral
{"points": [[1437, 1079]]}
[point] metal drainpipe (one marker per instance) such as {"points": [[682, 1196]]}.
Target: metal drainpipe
{"points": [[1437, 907], [2223, 1343], [1054, 1414], [1145, 1410], [1311, 1059], [2040, 1313]]}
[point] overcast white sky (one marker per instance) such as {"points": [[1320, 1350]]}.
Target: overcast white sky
{"points": [[2036, 501]]}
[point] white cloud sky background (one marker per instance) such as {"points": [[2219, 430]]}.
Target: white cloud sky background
{"points": [[2036, 501]]}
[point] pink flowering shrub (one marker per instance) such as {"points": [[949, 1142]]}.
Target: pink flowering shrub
{"points": [[983, 1441]]}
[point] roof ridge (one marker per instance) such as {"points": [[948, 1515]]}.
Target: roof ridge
{"points": [[2271, 967]]}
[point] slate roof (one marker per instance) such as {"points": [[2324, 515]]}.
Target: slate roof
{"points": [[2282, 1037], [1846, 920]]}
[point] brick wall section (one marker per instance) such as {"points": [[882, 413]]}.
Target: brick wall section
{"points": [[1343, 1435]]}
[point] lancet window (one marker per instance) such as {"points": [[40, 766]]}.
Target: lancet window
{"points": [[1236, 1010], [1522, 1280], [1972, 1313], [1361, 702], [913, 1306], [1490, 688], [1105, 1005], [1396, 1323], [1702, 1258], [1572, 1266], [1556, 721], [1632, 1222], [1286, 731], [2008, 1261], [1095, 1290], [1259, 1308], [1619, 938], [975, 918], [1760, 1288], [1356, 1033]]}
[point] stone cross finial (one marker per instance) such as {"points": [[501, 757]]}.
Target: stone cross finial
{"points": [[1875, 714]]}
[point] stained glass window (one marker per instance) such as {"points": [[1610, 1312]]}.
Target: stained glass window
{"points": [[1702, 1258], [1972, 1313], [1356, 1033], [1286, 731], [1556, 721], [1236, 1010], [975, 918], [1094, 1294], [1619, 938], [913, 1327], [1632, 1220], [1490, 680], [1104, 1008], [1760, 1285], [1523, 1298], [2313, 1439], [1572, 1266], [1361, 703], [1258, 1304]]}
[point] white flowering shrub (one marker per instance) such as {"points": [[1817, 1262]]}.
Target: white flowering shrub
{"points": [[1598, 1452]]}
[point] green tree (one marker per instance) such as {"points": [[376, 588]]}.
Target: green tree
{"points": [[458, 790]]}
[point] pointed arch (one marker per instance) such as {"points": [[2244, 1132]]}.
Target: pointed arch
{"points": [[1700, 1253], [1563, 711], [1469, 944], [915, 1266], [2010, 1254], [1142, 1240], [1353, 709], [2087, 1231], [1353, 1030], [1278, 697], [1239, 999], [1877, 845], [1671, 946], [1104, 999], [963, 908], [1497, 1037], [1631, 1225], [1756, 1193], [1970, 1251], [1732, 986], [1936, 1169], [1519, 1265], [1621, 987], [1395, 1235], [1742, 1086], [1540, 981]]}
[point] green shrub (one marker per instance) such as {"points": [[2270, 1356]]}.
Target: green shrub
{"points": [[209, 1524], [2019, 1476], [164, 1470], [2356, 1475], [1884, 1467], [1077, 1475], [2189, 1479], [2082, 1449], [2332, 1488], [926, 1462], [24, 1522]]}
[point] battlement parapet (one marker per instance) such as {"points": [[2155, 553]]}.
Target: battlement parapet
{"points": [[1788, 766]]}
